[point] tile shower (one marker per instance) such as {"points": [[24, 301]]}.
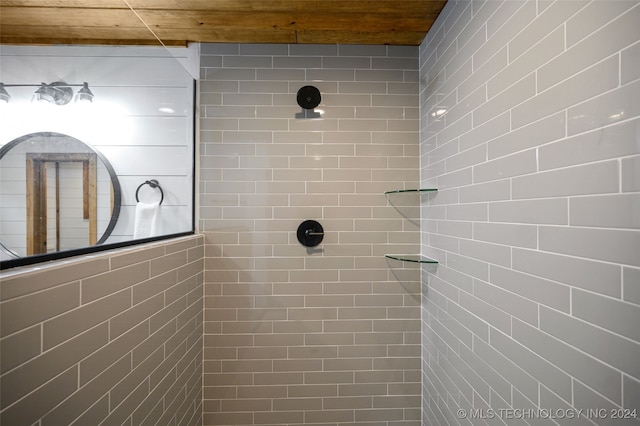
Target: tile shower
{"points": [[294, 335], [535, 302], [523, 114]]}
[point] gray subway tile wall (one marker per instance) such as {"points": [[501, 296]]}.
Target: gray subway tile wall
{"points": [[329, 335], [530, 130], [115, 338], [523, 114]]}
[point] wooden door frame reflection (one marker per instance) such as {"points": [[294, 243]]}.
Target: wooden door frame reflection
{"points": [[37, 197]]}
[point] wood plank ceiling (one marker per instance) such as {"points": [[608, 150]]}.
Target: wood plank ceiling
{"points": [[177, 22]]}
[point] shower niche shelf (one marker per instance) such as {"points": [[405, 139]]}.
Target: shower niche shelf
{"points": [[411, 191], [413, 258]]}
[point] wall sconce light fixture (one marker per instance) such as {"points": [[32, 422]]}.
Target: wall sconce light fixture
{"points": [[58, 92]]}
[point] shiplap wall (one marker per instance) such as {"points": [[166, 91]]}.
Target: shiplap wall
{"points": [[530, 121], [130, 120]]}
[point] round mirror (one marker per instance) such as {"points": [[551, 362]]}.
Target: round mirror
{"points": [[56, 193]]}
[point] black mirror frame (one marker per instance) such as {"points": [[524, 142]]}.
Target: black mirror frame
{"points": [[39, 258], [115, 184]]}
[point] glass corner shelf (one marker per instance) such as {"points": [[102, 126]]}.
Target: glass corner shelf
{"points": [[401, 191], [415, 258]]}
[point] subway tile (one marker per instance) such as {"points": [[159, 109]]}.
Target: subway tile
{"points": [[520, 39], [28, 410], [387, 75], [489, 191], [276, 418], [487, 130], [455, 228], [592, 340], [456, 329], [119, 324], [497, 383], [617, 246], [390, 63], [542, 370], [512, 165], [444, 242], [76, 321], [455, 111], [468, 266], [455, 179], [473, 323], [135, 256], [591, 18], [550, 401], [462, 160], [41, 369], [487, 252], [486, 312], [23, 284], [278, 339], [517, 94], [631, 393], [585, 398], [220, 49], [102, 285], [472, 212], [227, 418], [509, 234], [532, 135], [252, 392], [73, 347], [630, 174], [20, 347], [84, 398], [607, 211], [460, 127], [611, 314], [508, 20], [137, 376], [522, 64], [19, 313], [593, 373], [504, 366], [513, 304], [631, 285], [603, 278], [600, 44], [587, 179], [584, 85], [480, 387], [543, 211], [100, 359], [629, 60], [444, 288], [609, 108], [548, 293]]}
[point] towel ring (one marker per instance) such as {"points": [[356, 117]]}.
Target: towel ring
{"points": [[153, 184]]}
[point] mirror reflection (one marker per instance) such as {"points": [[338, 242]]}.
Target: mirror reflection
{"points": [[59, 202], [56, 193]]}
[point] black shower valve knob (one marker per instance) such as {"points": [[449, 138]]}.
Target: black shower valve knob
{"points": [[310, 233]]}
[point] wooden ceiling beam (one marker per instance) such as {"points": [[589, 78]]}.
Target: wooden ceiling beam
{"points": [[402, 22], [54, 17], [301, 21]]}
